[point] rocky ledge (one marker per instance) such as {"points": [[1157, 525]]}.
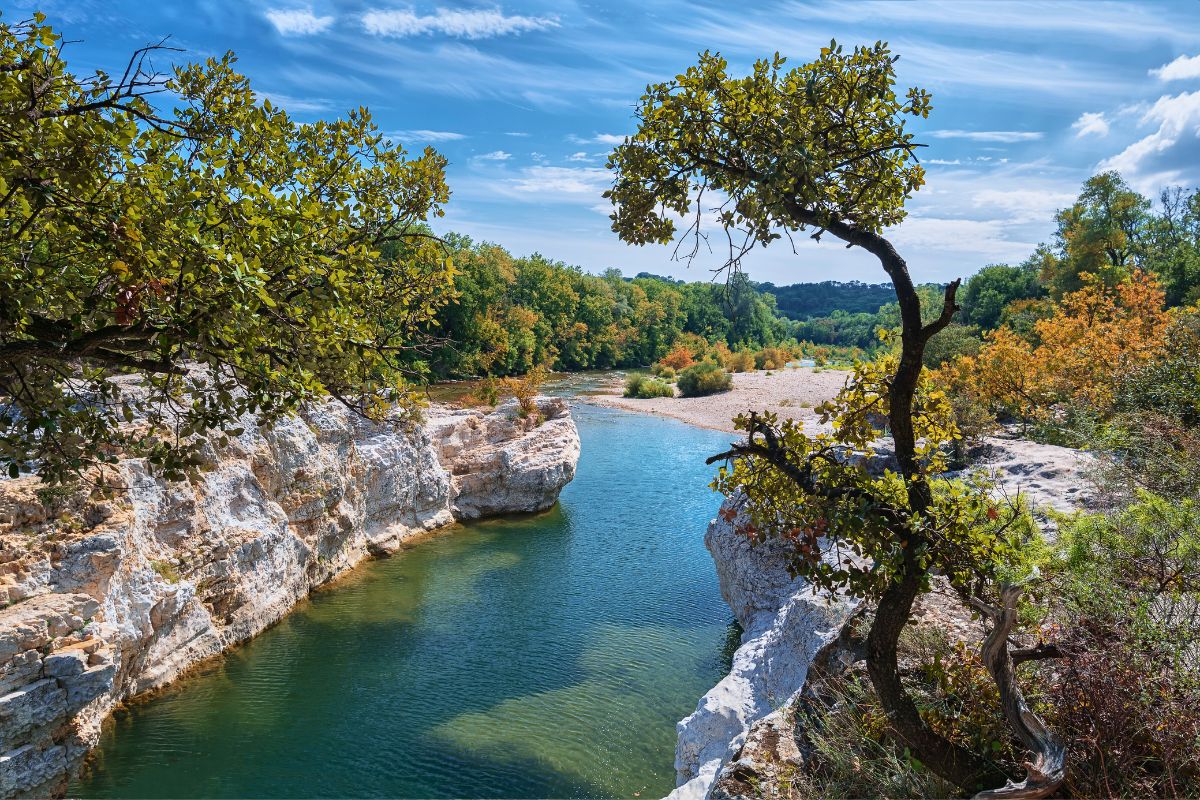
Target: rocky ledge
{"points": [[106, 598], [744, 720]]}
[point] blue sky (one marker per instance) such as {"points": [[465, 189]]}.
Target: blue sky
{"points": [[526, 98]]}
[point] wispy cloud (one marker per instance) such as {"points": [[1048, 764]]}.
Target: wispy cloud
{"points": [[586, 183], [298, 105], [427, 135], [297, 21], [1004, 137], [495, 155], [1182, 68], [599, 138], [461, 24], [1090, 123], [1170, 153], [580, 156], [521, 134]]}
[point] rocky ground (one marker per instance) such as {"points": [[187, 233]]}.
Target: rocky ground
{"points": [[104, 598]]}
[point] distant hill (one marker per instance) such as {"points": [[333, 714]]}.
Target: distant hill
{"points": [[811, 300]]}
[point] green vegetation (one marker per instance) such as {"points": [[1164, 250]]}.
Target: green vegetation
{"points": [[803, 301], [776, 144], [222, 252], [704, 378], [646, 387], [513, 313]]}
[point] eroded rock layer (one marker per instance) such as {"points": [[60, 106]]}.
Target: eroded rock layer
{"points": [[105, 598]]}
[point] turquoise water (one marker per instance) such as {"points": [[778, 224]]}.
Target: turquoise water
{"points": [[544, 656]]}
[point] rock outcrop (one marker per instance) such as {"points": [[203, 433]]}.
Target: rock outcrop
{"points": [[105, 598], [743, 721]]}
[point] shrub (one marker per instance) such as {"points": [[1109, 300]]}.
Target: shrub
{"points": [[525, 390], [705, 378], [663, 371], [645, 387], [680, 357], [1127, 698], [772, 358], [740, 361]]}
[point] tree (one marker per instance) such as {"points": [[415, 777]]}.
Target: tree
{"points": [[823, 147], [992, 289], [1102, 234], [225, 255]]}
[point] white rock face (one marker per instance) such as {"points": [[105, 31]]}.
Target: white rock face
{"points": [[105, 599], [785, 622]]}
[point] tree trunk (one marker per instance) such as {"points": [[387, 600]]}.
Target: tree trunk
{"points": [[1047, 771]]}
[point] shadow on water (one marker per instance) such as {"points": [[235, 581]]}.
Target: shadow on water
{"points": [[537, 656]]}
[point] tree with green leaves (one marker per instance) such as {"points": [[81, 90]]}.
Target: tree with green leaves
{"points": [[1103, 233], [988, 293], [822, 149], [223, 258]]}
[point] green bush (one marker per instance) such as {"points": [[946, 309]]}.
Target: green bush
{"points": [[702, 379], [663, 371], [645, 387], [1127, 699]]}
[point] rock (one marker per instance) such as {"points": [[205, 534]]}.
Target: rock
{"points": [[784, 622], [739, 732], [64, 664], [119, 596]]}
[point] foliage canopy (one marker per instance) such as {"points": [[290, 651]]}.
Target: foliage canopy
{"points": [[223, 251]]}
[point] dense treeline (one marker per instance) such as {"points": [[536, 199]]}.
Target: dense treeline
{"points": [[512, 314], [809, 300]]}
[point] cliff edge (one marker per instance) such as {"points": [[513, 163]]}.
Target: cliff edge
{"points": [[106, 598]]}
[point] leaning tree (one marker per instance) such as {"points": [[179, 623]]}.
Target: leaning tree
{"points": [[226, 255], [821, 149]]}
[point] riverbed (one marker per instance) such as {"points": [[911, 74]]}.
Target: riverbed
{"points": [[543, 656]]}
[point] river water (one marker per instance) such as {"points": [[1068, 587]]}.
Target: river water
{"points": [[543, 656]]}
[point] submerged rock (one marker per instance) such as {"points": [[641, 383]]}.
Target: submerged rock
{"points": [[107, 598]]}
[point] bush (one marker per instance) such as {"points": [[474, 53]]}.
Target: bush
{"points": [[772, 358], [1127, 699], [705, 378], [680, 357], [741, 361], [663, 371], [645, 387]]}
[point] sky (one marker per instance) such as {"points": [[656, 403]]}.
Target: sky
{"points": [[527, 98]]}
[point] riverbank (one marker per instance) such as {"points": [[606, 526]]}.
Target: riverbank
{"points": [[110, 597], [794, 392]]}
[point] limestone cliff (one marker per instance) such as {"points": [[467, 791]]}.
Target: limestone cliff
{"points": [[106, 598], [785, 623]]}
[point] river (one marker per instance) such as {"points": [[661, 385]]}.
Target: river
{"points": [[543, 656]]}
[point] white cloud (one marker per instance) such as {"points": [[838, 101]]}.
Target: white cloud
{"points": [[1168, 155], [577, 182], [297, 21], [1182, 68], [1090, 123], [580, 156], [460, 24], [495, 155], [516, 133], [1021, 206], [297, 105], [1005, 137], [424, 135], [986, 239], [608, 138]]}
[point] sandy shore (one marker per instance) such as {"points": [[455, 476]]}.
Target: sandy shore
{"points": [[789, 393]]}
